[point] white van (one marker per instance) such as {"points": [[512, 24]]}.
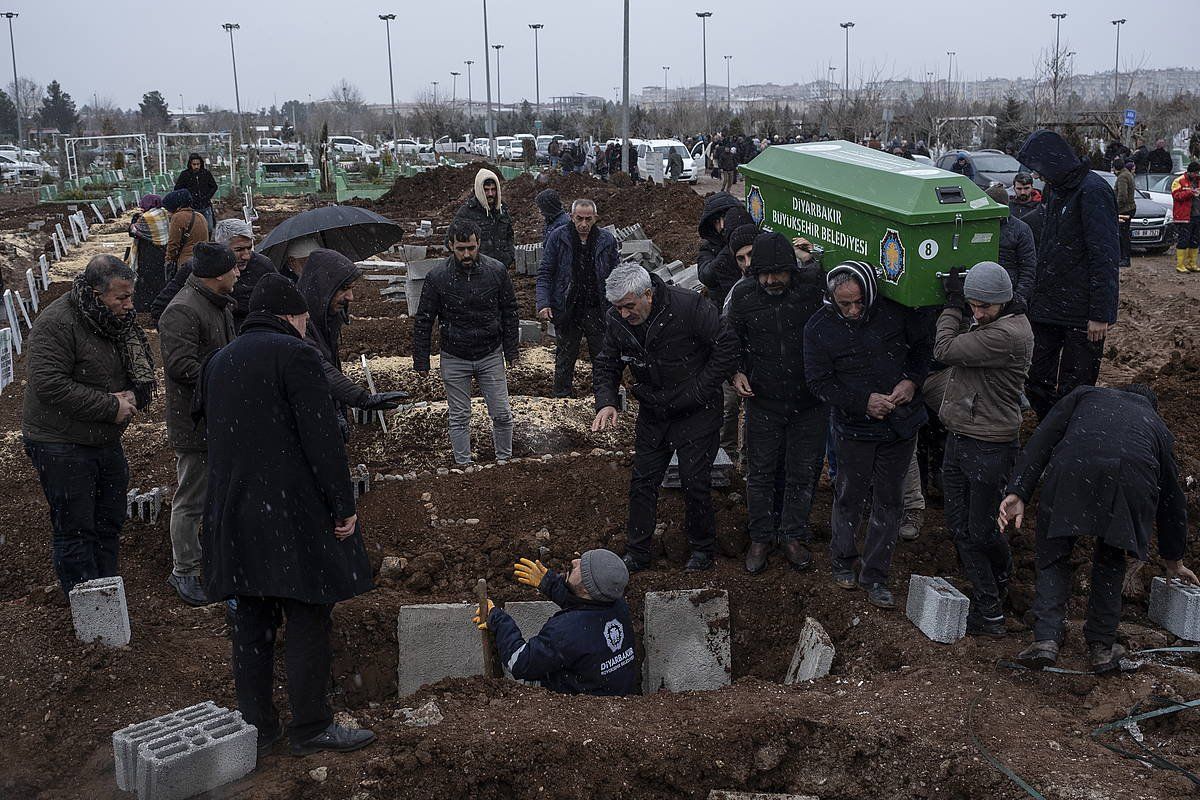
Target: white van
{"points": [[648, 149], [356, 147]]}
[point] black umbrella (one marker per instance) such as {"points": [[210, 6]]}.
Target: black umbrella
{"points": [[354, 232]]}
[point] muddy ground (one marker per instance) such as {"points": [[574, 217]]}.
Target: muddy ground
{"points": [[895, 719]]}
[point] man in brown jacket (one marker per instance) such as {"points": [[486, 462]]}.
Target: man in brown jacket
{"points": [[198, 321], [1126, 204], [88, 371], [187, 228], [978, 398]]}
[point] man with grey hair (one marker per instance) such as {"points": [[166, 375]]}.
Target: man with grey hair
{"points": [[679, 352], [89, 371], [238, 236], [570, 288]]}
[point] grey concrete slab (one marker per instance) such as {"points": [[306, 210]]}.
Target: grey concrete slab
{"points": [[1176, 607], [127, 740], [937, 608], [686, 640], [531, 330], [437, 640], [99, 612], [197, 759], [813, 655]]}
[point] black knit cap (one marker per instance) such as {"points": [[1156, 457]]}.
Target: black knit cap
{"points": [[741, 236], [275, 294], [210, 260], [773, 252]]}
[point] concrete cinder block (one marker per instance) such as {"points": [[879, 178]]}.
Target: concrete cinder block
{"points": [[1176, 607], [719, 476], [937, 608], [813, 655], [686, 640], [531, 330], [197, 759], [99, 612], [437, 640], [127, 740], [530, 616]]}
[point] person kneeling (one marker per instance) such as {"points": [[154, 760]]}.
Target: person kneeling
{"points": [[587, 647]]}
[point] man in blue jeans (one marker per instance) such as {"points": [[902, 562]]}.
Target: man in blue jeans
{"points": [[473, 300], [89, 372]]}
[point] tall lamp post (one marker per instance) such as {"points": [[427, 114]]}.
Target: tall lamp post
{"points": [[704, 15], [469, 63], [537, 77], [728, 90], [950, 70], [237, 97], [487, 74], [435, 85], [1117, 23], [666, 69], [454, 87], [625, 93], [499, 102], [1057, 63], [11, 15], [387, 23], [846, 26]]}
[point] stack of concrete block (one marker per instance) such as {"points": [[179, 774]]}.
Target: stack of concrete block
{"points": [[1176, 606], [424, 230], [686, 641], [641, 251], [813, 655], [937, 608], [529, 258], [145, 505], [361, 478], [628, 232], [531, 330], [688, 278], [670, 270], [184, 753], [721, 467], [395, 291], [99, 612]]}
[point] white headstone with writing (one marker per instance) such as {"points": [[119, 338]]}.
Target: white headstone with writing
{"points": [[57, 248], [61, 236], [83, 225], [96, 211], [45, 267], [31, 282], [6, 358], [10, 313], [74, 223], [112, 206], [21, 304], [121, 202]]}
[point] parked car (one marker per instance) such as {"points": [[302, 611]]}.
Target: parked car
{"points": [[353, 146], [503, 143], [405, 147], [32, 156], [650, 150], [11, 169], [274, 147], [516, 148], [448, 144], [543, 143], [1158, 186], [991, 166], [1150, 227], [479, 145]]}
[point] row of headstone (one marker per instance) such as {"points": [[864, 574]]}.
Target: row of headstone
{"points": [[529, 258]]}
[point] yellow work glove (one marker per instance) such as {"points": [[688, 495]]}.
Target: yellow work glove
{"points": [[529, 572], [482, 623]]}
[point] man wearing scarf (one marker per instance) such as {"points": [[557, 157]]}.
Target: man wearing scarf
{"points": [[89, 371]]}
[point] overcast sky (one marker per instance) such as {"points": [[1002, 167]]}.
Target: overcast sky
{"points": [[118, 49]]}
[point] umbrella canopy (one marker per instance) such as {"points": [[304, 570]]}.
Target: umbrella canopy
{"points": [[354, 232]]}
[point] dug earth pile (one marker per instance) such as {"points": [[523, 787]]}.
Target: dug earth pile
{"points": [[898, 717]]}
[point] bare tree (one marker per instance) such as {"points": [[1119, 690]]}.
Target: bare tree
{"points": [[347, 97]]}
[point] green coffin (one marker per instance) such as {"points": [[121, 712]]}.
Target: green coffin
{"points": [[908, 220]]}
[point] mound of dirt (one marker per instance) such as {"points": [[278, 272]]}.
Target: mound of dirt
{"points": [[417, 197]]}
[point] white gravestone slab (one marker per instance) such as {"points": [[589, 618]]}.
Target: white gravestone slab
{"points": [[112, 206], [10, 313], [57, 248], [6, 358], [61, 236], [24, 309], [96, 211], [31, 282], [45, 267]]}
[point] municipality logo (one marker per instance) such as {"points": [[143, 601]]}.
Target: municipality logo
{"points": [[756, 206], [614, 635], [891, 256]]}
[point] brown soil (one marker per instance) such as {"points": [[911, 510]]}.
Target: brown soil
{"points": [[893, 720]]}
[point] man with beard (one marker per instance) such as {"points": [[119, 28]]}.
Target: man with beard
{"points": [[486, 209]]}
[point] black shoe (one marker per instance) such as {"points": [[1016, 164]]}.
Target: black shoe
{"points": [[1039, 655], [993, 628], [699, 562], [879, 596], [845, 578], [267, 741], [1105, 658], [756, 557], [336, 738], [797, 554], [635, 564], [189, 589]]}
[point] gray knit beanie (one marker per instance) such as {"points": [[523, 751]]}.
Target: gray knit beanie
{"points": [[988, 282], [603, 574]]}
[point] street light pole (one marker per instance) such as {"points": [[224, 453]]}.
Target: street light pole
{"points": [[950, 70], [704, 15], [387, 23], [499, 102], [11, 15], [237, 96], [487, 74], [1117, 23], [1057, 62], [625, 95], [454, 87], [537, 77], [435, 85], [469, 103], [728, 89], [846, 26], [665, 71]]}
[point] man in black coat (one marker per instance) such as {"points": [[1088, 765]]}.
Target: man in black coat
{"points": [[712, 228], [280, 529], [721, 272], [1141, 157], [1027, 204], [768, 313], [1160, 160], [1018, 253], [679, 352], [867, 357], [486, 209], [1109, 468], [473, 300], [1075, 298], [201, 183]]}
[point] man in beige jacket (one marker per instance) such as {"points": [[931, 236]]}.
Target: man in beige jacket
{"points": [[978, 398]]}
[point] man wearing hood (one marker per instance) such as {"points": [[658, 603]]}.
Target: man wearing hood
{"points": [[1074, 300], [472, 297], [186, 228], [327, 286], [553, 214], [203, 186], [867, 357], [487, 210], [768, 313], [570, 288], [712, 227], [679, 352]]}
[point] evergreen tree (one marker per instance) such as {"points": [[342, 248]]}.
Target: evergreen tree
{"points": [[155, 114], [1011, 128], [58, 110], [8, 115]]}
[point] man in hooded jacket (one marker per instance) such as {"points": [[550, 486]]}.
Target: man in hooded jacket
{"points": [[1074, 299], [553, 214], [487, 210], [867, 356], [281, 532], [201, 183], [712, 227], [327, 286]]}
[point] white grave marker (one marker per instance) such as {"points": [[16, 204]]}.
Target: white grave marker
{"points": [[112, 206], [6, 358], [121, 202], [57, 249], [96, 211], [74, 223], [10, 312], [24, 309], [83, 225], [31, 282], [61, 236], [45, 267]]}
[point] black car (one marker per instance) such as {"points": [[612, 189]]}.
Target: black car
{"points": [[991, 166], [1150, 227]]}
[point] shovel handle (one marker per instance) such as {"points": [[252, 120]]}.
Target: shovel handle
{"points": [[485, 635]]}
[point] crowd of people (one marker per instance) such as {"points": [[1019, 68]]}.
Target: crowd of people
{"points": [[786, 362]]}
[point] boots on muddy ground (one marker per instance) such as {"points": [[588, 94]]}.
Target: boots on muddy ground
{"points": [[1105, 658], [910, 524], [798, 554], [699, 562], [756, 557], [1192, 266], [1039, 655]]}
